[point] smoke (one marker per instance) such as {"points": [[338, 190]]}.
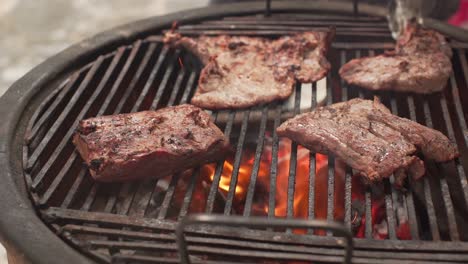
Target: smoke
{"points": [[402, 11]]}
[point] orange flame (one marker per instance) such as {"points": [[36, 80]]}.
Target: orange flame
{"points": [[244, 173], [301, 185], [301, 188]]}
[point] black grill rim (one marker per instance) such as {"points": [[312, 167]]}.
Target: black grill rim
{"points": [[21, 230]]}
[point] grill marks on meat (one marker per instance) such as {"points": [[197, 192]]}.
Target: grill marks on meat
{"points": [[241, 71], [371, 140], [148, 144], [420, 63]]}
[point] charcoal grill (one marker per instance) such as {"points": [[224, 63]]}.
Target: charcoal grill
{"points": [[53, 211]]}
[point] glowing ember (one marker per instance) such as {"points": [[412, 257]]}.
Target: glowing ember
{"points": [[301, 189]]}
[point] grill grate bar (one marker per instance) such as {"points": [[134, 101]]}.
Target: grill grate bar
{"points": [[391, 196], [462, 123], [427, 195], [125, 198], [123, 72], [306, 17], [408, 202], [190, 85], [389, 210], [149, 259], [58, 179], [452, 223], [55, 127], [90, 198], [168, 197], [219, 168], [254, 235], [40, 148], [443, 182], [200, 245], [218, 251], [368, 203], [348, 171], [68, 85], [274, 163], [268, 254], [412, 218], [43, 112], [148, 237], [110, 204], [281, 27], [272, 33], [293, 160], [106, 106], [152, 75], [132, 86], [451, 134], [189, 193], [71, 194], [368, 194], [291, 180], [312, 165], [277, 22], [456, 95], [163, 85], [237, 161], [142, 198], [256, 166], [331, 190], [126, 188], [176, 89]]}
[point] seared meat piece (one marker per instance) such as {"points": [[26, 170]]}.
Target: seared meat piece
{"points": [[366, 136], [420, 63], [241, 72], [148, 144]]}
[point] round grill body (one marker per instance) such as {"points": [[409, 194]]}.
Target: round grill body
{"points": [[52, 211]]}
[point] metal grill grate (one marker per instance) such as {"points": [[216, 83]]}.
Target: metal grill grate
{"points": [[136, 221]]}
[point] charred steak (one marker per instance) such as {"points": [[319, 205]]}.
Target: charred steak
{"points": [[420, 63], [148, 144], [241, 71], [371, 140]]}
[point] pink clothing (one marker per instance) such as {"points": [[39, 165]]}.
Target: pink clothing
{"points": [[461, 17]]}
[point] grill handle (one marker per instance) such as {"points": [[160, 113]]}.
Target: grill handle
{"points": [[454, 32], [241, 221]]}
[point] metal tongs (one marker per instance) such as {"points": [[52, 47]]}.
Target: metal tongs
{"points": [[425, 13]]}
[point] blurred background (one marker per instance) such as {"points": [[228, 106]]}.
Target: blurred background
{"points": [[33, 30]]}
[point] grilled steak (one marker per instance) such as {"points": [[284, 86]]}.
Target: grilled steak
{"points": [[366, 136], [241, 71], [420, 63], [148, 144]]}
